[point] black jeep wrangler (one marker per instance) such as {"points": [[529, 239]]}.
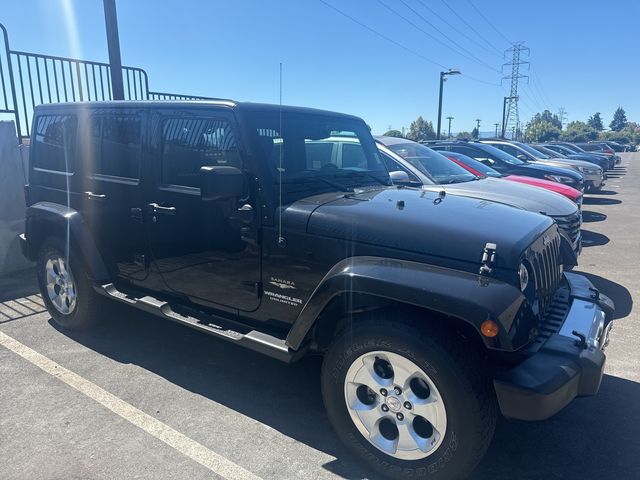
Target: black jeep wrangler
{"points": [[257, 224]]}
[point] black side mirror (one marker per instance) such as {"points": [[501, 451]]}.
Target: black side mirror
{"points": [[221, 183]]}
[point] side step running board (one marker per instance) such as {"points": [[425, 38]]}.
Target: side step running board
{"points": [[253, 339]]}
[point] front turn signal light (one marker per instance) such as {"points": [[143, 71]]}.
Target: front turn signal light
{"points": [[489, 329]]}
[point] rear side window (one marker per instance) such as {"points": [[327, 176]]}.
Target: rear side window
{"points": [[188, 144], [54, 144], [116, 145]]}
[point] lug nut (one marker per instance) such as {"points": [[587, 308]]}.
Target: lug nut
{"points": [[407, 405], [400, 416], [383, 392], [397, 390], [385, 408]]}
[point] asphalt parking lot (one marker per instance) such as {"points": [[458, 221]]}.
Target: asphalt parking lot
{"points": [[143, 398]]}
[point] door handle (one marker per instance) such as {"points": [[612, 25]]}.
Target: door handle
{"points": [[100, 197], [155, 208]]}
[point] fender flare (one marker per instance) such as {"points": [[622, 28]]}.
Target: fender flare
{"points": [[469, 297], [44, 214]]}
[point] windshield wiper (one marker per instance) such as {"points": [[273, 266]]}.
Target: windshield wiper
{"points": [[386, 183], [336, 185]]}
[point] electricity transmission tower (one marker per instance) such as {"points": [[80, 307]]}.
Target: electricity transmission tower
{"points": [[562, 115], [518, 50]]}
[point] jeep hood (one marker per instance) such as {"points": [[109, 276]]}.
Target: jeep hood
{"points": [[416, 221], [518, 195]]}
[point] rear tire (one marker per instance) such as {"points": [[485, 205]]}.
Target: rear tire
{"points": [[65, 287], [438, 377]]}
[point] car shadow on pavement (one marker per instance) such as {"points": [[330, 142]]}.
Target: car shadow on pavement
{"points": [[600, 201], [620, 295], [593, 239], [285, 397], [588, 216], [591, 438], [603, 192]]}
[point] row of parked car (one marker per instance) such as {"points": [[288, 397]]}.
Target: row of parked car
{"points": [[431, 279]]}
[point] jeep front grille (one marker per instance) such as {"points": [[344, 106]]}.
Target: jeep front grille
{"points": [[547, 272], [570, 224]]}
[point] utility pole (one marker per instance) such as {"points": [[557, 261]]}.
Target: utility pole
{"points": [[512, 117], [449, 132], [496, 125], [504, 113], [113, 44]]}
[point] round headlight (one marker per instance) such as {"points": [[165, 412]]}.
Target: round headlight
{"points": [[523, 273]]}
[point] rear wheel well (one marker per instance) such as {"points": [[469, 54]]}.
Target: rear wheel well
{"points": [[42, 229], [344, 309]]}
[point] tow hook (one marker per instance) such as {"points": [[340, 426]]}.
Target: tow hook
{"points": [[488, 257], [582, 340]]}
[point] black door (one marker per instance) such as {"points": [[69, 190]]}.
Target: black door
{"points": [[110, 153], [204, 250]]}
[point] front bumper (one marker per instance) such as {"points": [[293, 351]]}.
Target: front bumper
{"points": [[592, 181], [569, 364]]}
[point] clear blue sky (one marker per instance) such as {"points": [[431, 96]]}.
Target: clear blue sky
{"points": [[584, 54]]}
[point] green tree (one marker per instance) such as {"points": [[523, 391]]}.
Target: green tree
{"points": [[393, 133], [475, 133], [547, 116], [541, 131], [578, 132], [421, 130], [464, 135], [619, 120], [629, 134], [595, 122]]}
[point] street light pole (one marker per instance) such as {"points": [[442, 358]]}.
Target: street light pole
{"points": [[449, 132], [496, 124], [443, 76], [113, 44], [478, 126]]}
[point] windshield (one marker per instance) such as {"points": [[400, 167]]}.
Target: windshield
{"points": [[432, 163], [532, 151], [499, 154], [475, 164], [549, 152], [310, 153]]}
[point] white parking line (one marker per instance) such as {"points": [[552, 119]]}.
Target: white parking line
{"points": [[183, 444]]}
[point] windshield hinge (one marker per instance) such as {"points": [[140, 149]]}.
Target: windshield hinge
{"points": [[488, 257]]}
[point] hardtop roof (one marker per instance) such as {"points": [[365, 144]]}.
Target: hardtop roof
{"points": [[231, 104]]}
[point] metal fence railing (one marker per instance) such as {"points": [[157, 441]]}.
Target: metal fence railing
{"points": [[29, 79]]}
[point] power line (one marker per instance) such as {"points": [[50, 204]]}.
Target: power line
{"points": [[542, 91], [381, 35], [458, 30], [488, 22], [531, 95], [420, 29], [471, 27], [404, 47], [466, 53]]}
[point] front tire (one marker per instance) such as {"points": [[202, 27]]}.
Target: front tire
{"points": [[65, 287], [411, 403]]}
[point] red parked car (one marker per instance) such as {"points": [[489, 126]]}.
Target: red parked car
{"points": [[481, 170]]}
